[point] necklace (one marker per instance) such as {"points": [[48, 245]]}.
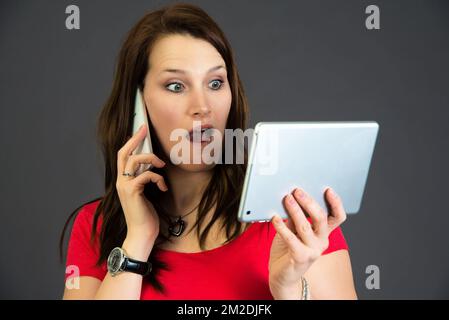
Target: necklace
{"points": [[177, 227]]}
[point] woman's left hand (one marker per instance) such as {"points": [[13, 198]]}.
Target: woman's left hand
{"points": [[299, 243]]}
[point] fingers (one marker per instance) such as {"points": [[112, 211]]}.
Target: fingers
{"points": [[134, 162], [300, 223], [129, 147], [314, 210], [305, 240], [149, 176], [338, 213], [288, 236]]}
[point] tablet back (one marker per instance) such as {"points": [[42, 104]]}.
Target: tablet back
{"points": [[311, 155]]}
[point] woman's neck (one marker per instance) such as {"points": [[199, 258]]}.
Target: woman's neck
{"points": [[186, 189]]}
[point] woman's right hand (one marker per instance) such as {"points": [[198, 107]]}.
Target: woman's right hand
{"points": [[141, 217]]}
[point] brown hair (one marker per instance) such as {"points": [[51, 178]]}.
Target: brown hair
{"points": [[115, 127]]}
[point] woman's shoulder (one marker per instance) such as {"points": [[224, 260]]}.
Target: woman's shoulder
{"points": [[82, 252], [85, 217]]}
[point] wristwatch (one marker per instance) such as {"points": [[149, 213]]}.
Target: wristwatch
{"points": [[118, 262]]}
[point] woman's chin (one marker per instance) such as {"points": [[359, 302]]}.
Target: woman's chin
{"points": [[196, 167]]}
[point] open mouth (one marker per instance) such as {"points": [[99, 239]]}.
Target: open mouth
{"points": [[201, 134]]}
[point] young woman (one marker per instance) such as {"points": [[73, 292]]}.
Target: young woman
{"points": [[185, 67]]}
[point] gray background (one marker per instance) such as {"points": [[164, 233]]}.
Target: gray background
{"points": [[307, 61]]}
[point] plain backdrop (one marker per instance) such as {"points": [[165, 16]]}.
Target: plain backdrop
{"points": [[299, 60]]}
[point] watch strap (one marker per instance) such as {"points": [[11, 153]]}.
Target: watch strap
{"points": [[139, 267]]}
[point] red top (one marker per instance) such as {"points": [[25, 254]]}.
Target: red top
{"points": [[237, 270]]}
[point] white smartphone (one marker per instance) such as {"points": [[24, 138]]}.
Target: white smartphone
{"points": [[140, 118]]}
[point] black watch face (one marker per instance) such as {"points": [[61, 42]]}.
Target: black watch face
{"points": [[115, 260]]}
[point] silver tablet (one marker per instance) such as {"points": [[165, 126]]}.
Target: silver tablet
{"points": [[310, 155]]}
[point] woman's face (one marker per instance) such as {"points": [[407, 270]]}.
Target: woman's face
{"points": [[186, 82]]}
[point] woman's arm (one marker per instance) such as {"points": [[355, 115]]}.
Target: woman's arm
{"points": [[330, 277], [124, 286]]}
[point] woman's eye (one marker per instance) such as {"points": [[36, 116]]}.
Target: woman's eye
{"points": [[216, 84], [175, 86]]}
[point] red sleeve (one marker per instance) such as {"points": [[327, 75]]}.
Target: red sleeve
{"points": [[82, 255], [337, 241]]}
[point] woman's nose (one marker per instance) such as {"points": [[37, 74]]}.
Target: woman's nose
{"points": [[200, 105]]}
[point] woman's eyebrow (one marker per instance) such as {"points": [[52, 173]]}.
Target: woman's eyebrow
{"points": [[184, 72]]}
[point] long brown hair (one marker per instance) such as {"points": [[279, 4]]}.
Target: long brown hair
{"points": [[115, 127]]}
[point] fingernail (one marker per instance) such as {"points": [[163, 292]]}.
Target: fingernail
{"points": [[300, 193], [277, 220], [290, 199], [332, 192]]}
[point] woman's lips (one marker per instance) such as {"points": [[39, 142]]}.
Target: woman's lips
{"points": [[201, 133], [202, 136]]}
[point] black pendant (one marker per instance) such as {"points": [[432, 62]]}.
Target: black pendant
{"points": [[177, 227]]}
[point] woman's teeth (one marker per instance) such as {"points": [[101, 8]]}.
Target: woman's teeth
{"points": [[204, 136]]}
